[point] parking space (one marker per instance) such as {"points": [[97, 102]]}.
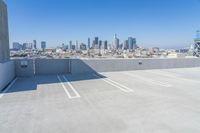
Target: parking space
{"points": [[152, 101]]}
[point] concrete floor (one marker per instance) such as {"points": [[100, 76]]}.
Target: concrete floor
{"points": [[150, 101]]}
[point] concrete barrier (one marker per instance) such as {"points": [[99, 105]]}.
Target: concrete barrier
{"points": [[24, 67], [111, 65], [52, 66], [78, 66], [7, 73], [31, 67]]}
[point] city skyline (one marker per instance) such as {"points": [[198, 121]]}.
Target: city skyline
{"points": [[165, 24], [97, 43]]}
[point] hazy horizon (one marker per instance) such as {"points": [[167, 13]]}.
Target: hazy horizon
{"points": [[155, 23]]}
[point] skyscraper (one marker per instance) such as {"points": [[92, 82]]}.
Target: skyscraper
{"points": [[88, 43], [64, 47], [43, 45], [83, 46], [132, 43], [93, 44], [4, 37], [100, 44], [196, 48], [77, 45], [70, 45], [27, 46], [116, 42], [96, 42], [17, 46], [126, 45], [197, 38], [34, 44], [105, 45]]}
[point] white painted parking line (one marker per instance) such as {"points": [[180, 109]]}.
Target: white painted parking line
{"points": [[10, 85], [150, 81], [73, 89], [167, 74], [174, 76], [115, 84], [66, 90]]}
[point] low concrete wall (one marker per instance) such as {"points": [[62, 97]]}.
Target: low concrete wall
{"points": [[110, 65], [41, 67], [7, 73], [77, 66], [22, 71], [52, 66]]}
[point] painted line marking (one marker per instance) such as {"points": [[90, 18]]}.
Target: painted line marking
{"points": [[115, 84], [7, 89], [73, 89], [168, 74], [150, 81], [175, 76], [66, 90]]}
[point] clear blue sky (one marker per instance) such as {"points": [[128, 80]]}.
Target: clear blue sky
{"points": [[163, 23]]}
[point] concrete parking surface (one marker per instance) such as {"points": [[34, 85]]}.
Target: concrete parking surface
{"points": [[147, 101]]}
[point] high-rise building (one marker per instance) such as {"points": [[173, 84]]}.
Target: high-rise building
{"points": [[96, 42], [83, 46], [27, 46], [121, 46], [93, 44], [73, 47], [4, 36], [126, 45], [116, 42], [197, 35], [132, 43], [77, 45], [196, 47], [88, 43], [70, 45], [17, 46], [34, 44], [105, 45], [64, 47], [24, 46], [100, 44], [43, 45]]}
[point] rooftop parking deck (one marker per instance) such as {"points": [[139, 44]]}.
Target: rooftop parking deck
{"points": [[145, 101]]}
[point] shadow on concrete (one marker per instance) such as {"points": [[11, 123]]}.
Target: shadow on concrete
{"points": [[23, 84], [31, 83]]}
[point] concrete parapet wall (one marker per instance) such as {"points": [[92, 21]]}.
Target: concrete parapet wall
{"points": [[41, 67], [7, 73], [110, 65], [52, 66], [78, 66], [24, 71]]}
